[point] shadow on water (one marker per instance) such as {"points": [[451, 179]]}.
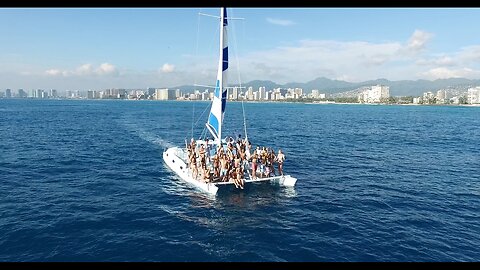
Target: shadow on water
{"points": [[254, 195], [233, 209]]}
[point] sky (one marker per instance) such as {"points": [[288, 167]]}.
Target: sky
{"points": [[99, 48]]}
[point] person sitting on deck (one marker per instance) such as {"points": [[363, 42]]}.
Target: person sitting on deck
{"points": [[208, 176], [239, 174]]}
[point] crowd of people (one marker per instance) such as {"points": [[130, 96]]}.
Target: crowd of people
{"points": [[232, 162]]}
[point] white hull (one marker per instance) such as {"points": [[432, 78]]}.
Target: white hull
{"points": [[174, 158], [176, 164]]}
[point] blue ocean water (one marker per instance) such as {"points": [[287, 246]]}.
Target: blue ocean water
{"points": [[84, 180]]}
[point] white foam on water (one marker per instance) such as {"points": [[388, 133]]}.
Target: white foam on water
{"points": [[147, 135]]}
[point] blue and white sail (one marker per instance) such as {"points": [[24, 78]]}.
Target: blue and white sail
{"points": [[215, 119]]}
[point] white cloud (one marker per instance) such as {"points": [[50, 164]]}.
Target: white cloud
{"points": [[359, 61], [445, 73], [303, 61], [418, 40], [167, 68], [470, 54], [314, 58], [280, 22], [53, 72], [106, 69], [438, 61], [85, 69]]}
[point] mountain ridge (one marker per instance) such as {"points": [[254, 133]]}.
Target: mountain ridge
{"points": [[329, 86]]}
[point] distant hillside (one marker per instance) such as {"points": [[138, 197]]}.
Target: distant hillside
{"points": [[258, 83], [397, 88]]}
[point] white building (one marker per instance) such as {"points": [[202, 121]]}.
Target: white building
{"points": [[261, 93], [417, 100], [428, 97], [249, 94], [473, 95], [441, 95], [164, 94], [235, 93], [205, 95], [376, 94], [298, 91]]}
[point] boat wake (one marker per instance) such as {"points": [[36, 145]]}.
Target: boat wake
{"points": [[147, 135]]}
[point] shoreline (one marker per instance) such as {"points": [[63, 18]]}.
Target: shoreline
{"points": [[250, 101]]}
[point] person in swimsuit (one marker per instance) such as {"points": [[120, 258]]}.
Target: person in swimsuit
{"points": [[254, 165], [280, 160]]}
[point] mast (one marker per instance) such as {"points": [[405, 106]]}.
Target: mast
{"points": [[215, 119]]}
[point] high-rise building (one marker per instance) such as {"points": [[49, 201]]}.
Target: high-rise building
{"points": [[261, 93], [165, 94], [8, 93], [39, 93], [473, 95], [53, 93], [376, 94], [90, 94], [22, 93], [151, 91], [298, 91], [441, 94], [235, 93], [249, 94]]}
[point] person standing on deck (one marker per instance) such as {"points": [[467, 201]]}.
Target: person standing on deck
{"points": [[224, 168], [280, 160], [207, 153], [254, 165], [192, 144]]}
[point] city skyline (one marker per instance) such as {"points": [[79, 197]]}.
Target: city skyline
{"points": [[96, 48]]}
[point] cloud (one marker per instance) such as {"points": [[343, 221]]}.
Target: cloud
{"points": [[359, 61], [280, 22], [167, 68], [438, 61], [418, 40], [85, 69], [445, 73], [310, 59], [470, 54], [53, 72], [106, 69], [302, 61]]}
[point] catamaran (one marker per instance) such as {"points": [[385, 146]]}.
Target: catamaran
{"points": [[177, 158]]}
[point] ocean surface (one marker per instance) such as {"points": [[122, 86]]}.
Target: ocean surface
{"points": [[84, 180]]}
